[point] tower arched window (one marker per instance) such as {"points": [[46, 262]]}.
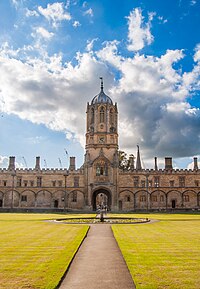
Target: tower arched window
{"points": [[102, 115], [92, 115]]}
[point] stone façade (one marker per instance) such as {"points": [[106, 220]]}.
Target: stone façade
{"points": [[100, 181]]}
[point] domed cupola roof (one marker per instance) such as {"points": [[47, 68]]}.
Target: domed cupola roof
{"points": [[101, 97]]}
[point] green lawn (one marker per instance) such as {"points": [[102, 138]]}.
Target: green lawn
{"points": [[164, 254], [34, 253]]}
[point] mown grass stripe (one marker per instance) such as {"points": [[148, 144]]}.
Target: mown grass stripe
{"points": [[164, 254]]}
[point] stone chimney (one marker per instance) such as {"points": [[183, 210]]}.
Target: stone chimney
{"points": [[72, 165], [11, 165], [168, 164], [156, 166], [37, 163], [131, 159], [195, 164]]}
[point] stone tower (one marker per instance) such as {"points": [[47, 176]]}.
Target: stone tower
{"points": [[101, 159]]}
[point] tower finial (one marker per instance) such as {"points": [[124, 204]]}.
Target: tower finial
{"points": [[101, 78]]}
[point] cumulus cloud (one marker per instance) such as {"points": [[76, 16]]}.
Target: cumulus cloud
{"points": [[151, 92], [139, 33], [55, 13], [152, 98], [40, 31], [48, 92]]}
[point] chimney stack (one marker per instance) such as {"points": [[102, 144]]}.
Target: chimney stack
{"points": [[37, 164], [72, 165], [11, 165], [156, 166], [195, 164], [131, 159], [168, 164]]}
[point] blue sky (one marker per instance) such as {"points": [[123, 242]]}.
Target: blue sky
{"points": [[52, 54]]}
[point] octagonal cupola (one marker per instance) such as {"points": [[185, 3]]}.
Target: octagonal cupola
{"points": [[101, 97]]}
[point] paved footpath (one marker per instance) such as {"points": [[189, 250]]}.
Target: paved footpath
{"points": [[99, 263]]}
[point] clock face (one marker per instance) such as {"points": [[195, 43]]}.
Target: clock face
{"points": [[101, 139]]}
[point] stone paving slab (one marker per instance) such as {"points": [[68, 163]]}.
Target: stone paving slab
{"points": [[99, 263]]}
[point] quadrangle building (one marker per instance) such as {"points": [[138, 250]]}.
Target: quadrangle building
{"points": [[100, 180]]}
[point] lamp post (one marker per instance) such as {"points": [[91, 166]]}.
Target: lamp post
{"points": [[65, 198], [13, 174]]}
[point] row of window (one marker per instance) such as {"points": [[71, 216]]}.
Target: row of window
{"points": [[31, 183], [143, 198], [156, 182], [102, 114]]}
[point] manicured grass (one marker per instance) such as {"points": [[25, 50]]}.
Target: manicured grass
{"points": [[163, 254], [34, 253]]}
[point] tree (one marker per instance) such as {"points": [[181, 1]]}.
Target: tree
{"points": [[126, 163]]}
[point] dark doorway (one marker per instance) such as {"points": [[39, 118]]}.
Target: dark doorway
{"points": [[101, 198], [120, 205], [173, 204], [56, 204], [1, 203]]}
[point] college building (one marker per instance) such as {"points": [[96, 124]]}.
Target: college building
{"points": [[101, 180]]}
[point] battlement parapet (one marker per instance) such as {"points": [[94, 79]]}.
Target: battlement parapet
{"points": [[41, 171], [159, 172]]}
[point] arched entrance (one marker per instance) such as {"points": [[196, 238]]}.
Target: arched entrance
{"points": [[101, 198]]}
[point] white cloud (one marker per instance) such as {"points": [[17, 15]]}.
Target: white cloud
{"points": [[16, 3], [152, 96], [4, 161], [76, 23], [110, 54], [40, 84], [139, 33], [43, 33], [197, 53], [90, 44], [89, 12], [151, 92], [30, 13], [162, 20], [55, 13]]}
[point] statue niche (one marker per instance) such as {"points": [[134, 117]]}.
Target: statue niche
{"points": [[101, 168]]}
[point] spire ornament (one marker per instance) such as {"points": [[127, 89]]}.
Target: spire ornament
{"points": [[138, 162], [101, 78]]}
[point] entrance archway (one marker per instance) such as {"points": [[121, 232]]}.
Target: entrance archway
{"points": [[101, 198]]}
